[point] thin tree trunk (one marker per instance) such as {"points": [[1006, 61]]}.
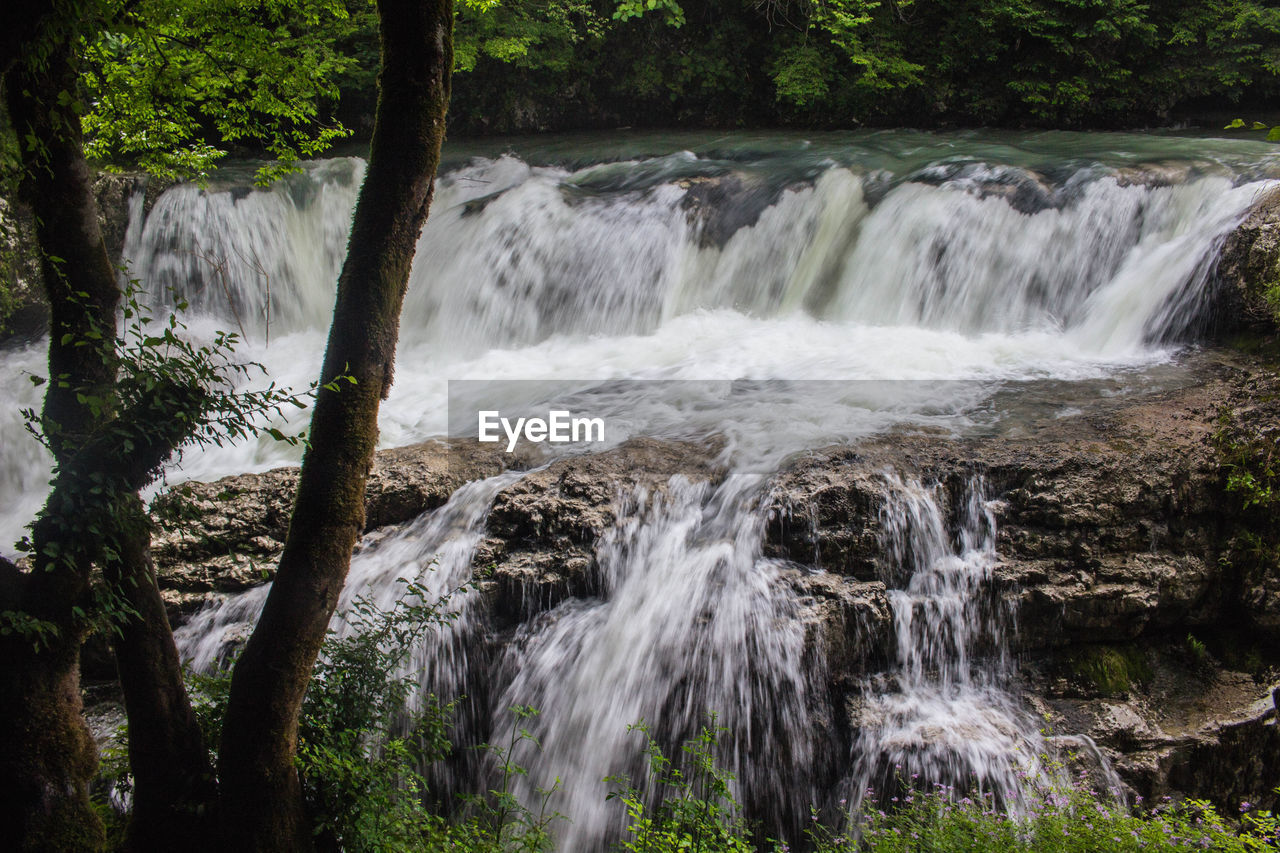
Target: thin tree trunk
{"points": [[175, 789], [260, 786]]}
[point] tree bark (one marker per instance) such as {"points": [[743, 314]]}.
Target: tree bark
{"points": [[175, 791], [262, 796], [24, 22], [47, 756]]}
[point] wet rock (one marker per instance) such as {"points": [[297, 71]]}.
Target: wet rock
{"points": [[1024, 190], [24, 312], [1189, 728], [1170, 174], [1248, 278], [826, 514], [542, 531], [226, 536], [1110, 529], [718, 207], [114, 193], [1105, 523], [848, 624], [26, 316]]}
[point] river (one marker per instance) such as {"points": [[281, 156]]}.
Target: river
{"points": [[768, 292]]}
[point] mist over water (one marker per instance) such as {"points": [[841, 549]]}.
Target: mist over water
{"points": [[991, 259]]}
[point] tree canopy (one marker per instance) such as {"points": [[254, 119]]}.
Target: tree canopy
{"points": [[845, 63]]}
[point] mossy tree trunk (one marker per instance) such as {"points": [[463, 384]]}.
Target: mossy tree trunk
{"points": [[261, 790], [175, 790], [47, 756]]}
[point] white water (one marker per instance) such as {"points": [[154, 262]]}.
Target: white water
{"points": [[690, 620], [877, 258], [945, 713]]}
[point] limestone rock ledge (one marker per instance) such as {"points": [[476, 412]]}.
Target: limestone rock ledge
{"points": [[226, 536], [1117, 558]]}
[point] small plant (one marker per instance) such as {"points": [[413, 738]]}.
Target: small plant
{"points": [[498, 821], [1071, 818], [1199, 652], [360, 751], [1109, 670], [683, 809]]}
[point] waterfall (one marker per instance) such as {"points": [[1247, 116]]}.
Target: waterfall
{"points": [[945, 712], [261, 259], [690, 621], [964, 262]]}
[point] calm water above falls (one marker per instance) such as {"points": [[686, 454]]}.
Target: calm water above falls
{"points": [[878, 256]]}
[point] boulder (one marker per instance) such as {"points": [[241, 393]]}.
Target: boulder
{"points": [[1248, 292]]}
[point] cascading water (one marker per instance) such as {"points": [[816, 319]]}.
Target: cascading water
{"points": [[691, 620], [884, 256], [945, 713]]}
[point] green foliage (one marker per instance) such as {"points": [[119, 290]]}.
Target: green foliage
{"points": [[1251, 461], [1109, 670], [359, 751], [362, 754], [498, 821], [671, 11], [800, 75], [39, 633], [171, 83], [695, 810], [17, 265], [1249, 456], [1273, 133], [1199, 652], [541, 34], [169, 392], [1060, 63], [683, 808], [1069, 819]]}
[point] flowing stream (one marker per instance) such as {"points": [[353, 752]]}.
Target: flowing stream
{"points": [[946, 714], [738, 271]]}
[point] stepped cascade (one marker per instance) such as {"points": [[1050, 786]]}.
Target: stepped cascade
{"points": [[762, 297]]}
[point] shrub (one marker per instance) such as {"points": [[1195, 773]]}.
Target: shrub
{"points": [[689, 809]]}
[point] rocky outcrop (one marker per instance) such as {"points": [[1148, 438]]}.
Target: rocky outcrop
{"points": [[24, 311], [1248, 294], [1120, 556], [542, 531], [1185, 724], [1110, 522], [226, 536], [1137, 623], [718, 207]]}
